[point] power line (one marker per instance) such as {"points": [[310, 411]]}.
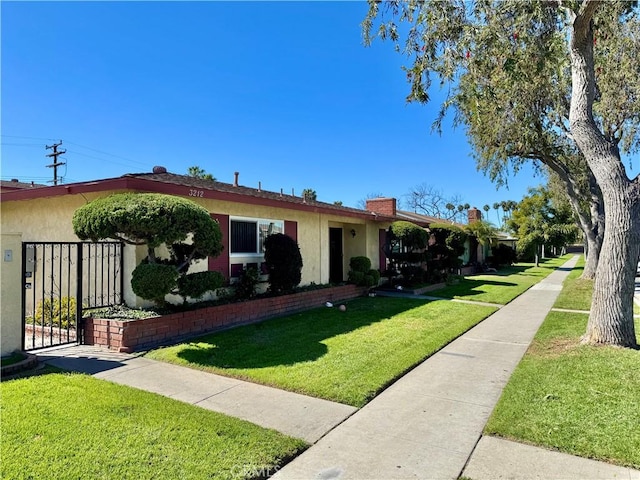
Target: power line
{"points": [[107, 153], [29, 138]]}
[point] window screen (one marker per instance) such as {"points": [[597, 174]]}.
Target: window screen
{"points": [[244, 237]]}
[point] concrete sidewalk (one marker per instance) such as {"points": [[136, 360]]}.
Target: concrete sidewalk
{"points": [[428, 423], [290, 413]]}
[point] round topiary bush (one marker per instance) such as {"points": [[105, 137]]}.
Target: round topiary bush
{"points": [[185, 228], [153, 281], [284, 263], [195, 285], [360, 264]]}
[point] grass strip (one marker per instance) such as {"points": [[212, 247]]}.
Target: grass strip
{"points": [[502, 286], [579, 399], [347, 357], [70, 426]]}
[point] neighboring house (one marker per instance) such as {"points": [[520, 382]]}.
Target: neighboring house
{"points": [[473, 251], [14, 184], [328, 235]]}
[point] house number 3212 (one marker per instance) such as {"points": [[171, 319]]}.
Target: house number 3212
{"points": [[196, 193]]}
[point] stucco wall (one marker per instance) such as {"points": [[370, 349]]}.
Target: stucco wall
{"points": [[11, 292], [49, 219]]}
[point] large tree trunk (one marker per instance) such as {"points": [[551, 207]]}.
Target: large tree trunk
{"points": [[589, 222], [611, 318], [597, 229]]}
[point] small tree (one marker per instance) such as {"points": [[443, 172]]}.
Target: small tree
{"points": [[154, 220], [405, 246], [284, 263], [447, 247]]}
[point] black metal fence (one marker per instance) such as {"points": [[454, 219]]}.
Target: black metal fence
{"points": [[60, 279]]}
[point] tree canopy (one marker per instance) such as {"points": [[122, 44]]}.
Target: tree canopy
{"points": [[537, 222], [543, 81], [151, 219]]}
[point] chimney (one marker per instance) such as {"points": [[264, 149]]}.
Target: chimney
{"points": [[382, 206], [235, 178], [474, 215]]}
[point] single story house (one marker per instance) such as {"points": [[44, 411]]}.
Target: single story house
{"points": [[328, 235], [36, 224]]}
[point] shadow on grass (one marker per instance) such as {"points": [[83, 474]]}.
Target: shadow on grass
{"points": [[469, 287], [292, 339], [41, 369]]}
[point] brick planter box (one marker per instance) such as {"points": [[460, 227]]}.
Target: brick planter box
{"points": [[132, 335]]}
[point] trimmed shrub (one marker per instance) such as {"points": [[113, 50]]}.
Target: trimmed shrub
{"points": [[361, 272], [184, 227], [153, 281], [195, 285], [59, 312], [245, 287], [372, 278], [503, 255], [356, 277], [448, 246], [284, 263], [360, 264], [412, 236]]}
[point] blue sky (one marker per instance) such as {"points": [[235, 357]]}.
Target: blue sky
{"points": [[283, 92]]}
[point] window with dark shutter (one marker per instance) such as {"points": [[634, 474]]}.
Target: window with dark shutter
{"points": [[244, 237]]}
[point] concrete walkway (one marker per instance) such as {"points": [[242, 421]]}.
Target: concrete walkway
{"points": [[426, 425], [290, 413]]}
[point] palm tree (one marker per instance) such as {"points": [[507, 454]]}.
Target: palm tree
{"points": [[309, 194], [451, 207], [496, 206], [198, 172]]}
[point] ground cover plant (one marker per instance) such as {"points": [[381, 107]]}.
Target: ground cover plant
{"points": [[70, 426], [346, 357], [502, 286], [580, 399]]}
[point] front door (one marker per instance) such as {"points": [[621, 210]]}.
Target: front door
{"points": [[336, 273]]}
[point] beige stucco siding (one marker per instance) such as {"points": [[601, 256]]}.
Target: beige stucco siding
{"points": [[49, 219], [11, 292]]}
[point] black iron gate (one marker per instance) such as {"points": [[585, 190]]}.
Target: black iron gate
{"points": [[60, 280]]}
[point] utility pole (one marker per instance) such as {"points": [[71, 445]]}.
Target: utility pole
{"points": [[55, 163]]}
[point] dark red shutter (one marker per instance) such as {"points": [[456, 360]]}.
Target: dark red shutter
{"points": [[382, 240], [221, 262], [291, 229]]}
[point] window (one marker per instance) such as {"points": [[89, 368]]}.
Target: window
{"points": [[243, 237], [248, 235]]}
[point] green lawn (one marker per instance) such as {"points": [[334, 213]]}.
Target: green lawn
{"points": [[71, 426], [347, 356], [579, 399], [576, 293], [503, 286]]}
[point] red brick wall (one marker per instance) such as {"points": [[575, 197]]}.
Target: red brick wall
{"points": [[131, 335], [382, 206], [473, 215]]}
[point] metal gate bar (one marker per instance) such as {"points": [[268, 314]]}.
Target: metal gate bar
{"points": [[54, 293]]}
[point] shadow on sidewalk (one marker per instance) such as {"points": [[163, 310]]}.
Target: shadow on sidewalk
{"points": [[86, 365]]}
